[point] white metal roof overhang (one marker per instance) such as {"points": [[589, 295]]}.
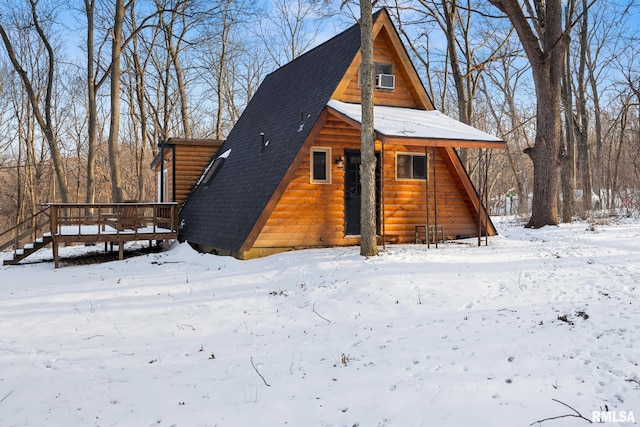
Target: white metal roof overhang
{"points": [[411, 127]]}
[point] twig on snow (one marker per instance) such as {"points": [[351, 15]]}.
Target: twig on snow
{"points": [[576, 415], [318, 314], [6, 395], [94, 336], [258, 372]]}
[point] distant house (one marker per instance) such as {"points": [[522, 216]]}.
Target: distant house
{"points": [[288, 174]]}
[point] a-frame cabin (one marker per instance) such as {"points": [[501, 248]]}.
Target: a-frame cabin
{"points": [[287, 176]]}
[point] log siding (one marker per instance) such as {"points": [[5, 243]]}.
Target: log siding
{"points": [[310, 214]]}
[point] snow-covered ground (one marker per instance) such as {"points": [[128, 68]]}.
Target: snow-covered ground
{"points": [[539, 324]]}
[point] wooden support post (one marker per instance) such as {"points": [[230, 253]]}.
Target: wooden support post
{"points": [[426, 192], [382, 201], [54, 246], [435, 197], [485, 209], [120, 250], [53, 229]]}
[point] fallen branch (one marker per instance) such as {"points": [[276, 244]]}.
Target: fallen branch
{"points": [[258, 372], [94, 336], [7, 395], [318, 314], [576, 415]]}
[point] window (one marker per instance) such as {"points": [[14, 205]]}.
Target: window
{"points": [[321, 165], [163, 186], [383, 68], [213, 168], [383, 77], [411, 166]]}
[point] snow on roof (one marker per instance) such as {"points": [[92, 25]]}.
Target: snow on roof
{"points": [[412, 123]]}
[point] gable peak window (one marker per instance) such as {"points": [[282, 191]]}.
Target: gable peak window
{"points": [[385, 79]]}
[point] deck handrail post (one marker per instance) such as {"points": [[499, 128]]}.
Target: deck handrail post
{"points": [[53, 220], [53, 228]]}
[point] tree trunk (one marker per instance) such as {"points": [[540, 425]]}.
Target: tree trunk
{"points": [[450, 16], [92, 108], [182, 90], [581, 104], [368, 235], [567, 151], [598, 169], [222, 67], [117, 194], [139, 101], [615, 168]]}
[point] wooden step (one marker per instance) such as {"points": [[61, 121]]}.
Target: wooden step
{"points": [[28, 249]]}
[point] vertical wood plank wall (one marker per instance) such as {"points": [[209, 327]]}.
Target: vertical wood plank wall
{"points": [[314, 214], [191, 160]]}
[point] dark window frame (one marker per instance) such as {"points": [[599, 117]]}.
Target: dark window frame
{"points": [[416, 164], [315, 175], [383, 68]]}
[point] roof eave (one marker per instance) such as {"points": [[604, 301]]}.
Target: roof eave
{"points": [[420, 142], [439, 142]]}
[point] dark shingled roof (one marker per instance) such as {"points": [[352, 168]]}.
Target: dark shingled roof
{"points": [[222, 214]]}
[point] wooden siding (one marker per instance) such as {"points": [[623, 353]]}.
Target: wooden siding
{"points": [[313, 214], [406, 200], [403, 95], [310, 215], [190, 162]]}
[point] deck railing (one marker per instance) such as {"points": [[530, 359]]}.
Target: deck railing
{"points": [[69, 223], [99, 219], [26, 231]]}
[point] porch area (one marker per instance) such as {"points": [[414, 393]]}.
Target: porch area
{"points": [[75, 223]]}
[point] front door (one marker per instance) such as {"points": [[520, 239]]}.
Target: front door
{"points": [[353, 190]]}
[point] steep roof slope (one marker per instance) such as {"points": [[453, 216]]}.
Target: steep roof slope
{"points": [[288, 103]]}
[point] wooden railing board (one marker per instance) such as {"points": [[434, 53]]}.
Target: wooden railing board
{"points": [[97, 223]]}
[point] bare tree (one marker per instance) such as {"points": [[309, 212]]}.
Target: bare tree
{"points": [[92, 109], [581, 118], [541, 34], [605, 42], [506, 75], [117, 194], [179, 13], [44, 118], [137, 67], [230, 66], [229, 16], [94, 82], [290, 29]]}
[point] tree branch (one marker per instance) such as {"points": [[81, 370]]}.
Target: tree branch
{"points": [[6, 395], [576, 415], [317, 314], [258, 372]]}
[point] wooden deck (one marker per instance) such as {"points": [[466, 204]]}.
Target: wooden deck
{"points": [[110, 223]]}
